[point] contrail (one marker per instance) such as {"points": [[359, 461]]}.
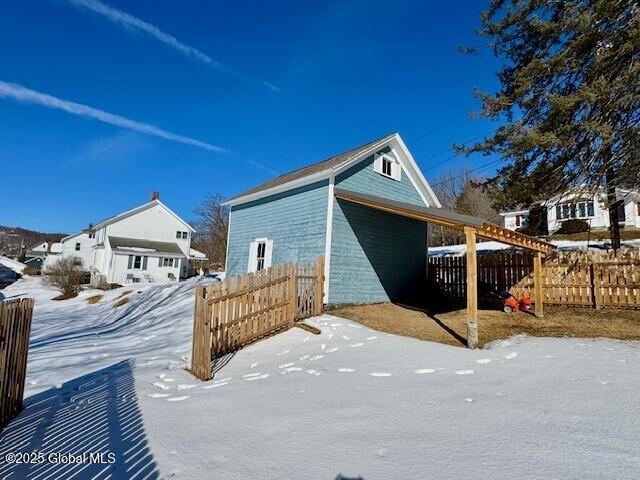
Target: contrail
{"points": [[129, 21], [26, 95]]}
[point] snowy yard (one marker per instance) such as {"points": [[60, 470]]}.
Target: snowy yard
{"points": [[348, 403]]}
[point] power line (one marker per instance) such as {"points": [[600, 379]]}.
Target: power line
{"points": [[488, 164], [439, 126], [452, 156]]}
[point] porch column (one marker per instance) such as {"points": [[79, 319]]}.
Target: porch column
{"points": [[537, 284], [472, 289]]}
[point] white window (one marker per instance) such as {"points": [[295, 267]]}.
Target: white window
{"points": [[167, 262], [260, 254], [184, 235], [387, 166], [77, 246], [575, 210]]}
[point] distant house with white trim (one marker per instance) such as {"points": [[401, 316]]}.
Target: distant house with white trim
{"points": [[370, 255], [148, 243], [591, 207]]}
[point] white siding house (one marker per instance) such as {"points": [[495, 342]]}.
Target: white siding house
{"points": [[589, 207], [149, 243]]}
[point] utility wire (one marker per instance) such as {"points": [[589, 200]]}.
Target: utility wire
{"points": [[488, 164], [439, 126]]}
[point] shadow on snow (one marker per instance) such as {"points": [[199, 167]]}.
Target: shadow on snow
{"points": [[95, 413]]}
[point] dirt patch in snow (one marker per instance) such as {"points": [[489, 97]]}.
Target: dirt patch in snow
{"points": [[121, 302], [94, 299], [451, 327]]}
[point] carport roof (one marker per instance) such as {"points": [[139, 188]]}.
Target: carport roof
{"points": [[446, 218]]}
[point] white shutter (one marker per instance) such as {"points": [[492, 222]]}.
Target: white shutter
{"points": [[377, 163], [396, 171], [268, 253], [253, 253]]}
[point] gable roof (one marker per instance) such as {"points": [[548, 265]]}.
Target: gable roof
{"points": [[134, 211], [336, 164]]}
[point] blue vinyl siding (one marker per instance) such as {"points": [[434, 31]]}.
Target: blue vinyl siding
{"points": [[375, 256], [296, 221], [362, 178]]}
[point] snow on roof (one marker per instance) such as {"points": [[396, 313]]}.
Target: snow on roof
{"points": [[14, 265], [197, 254]]}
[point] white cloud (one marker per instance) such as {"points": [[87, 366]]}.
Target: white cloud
{"points": [[26, 95], [129, 21]]}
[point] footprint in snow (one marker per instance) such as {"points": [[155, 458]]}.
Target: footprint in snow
{"points": [[323, 346], [314, 372], [293, 369], [346, 370], [330, 336], [482, 361], [161, 385], [168, 379], [162, 375], [306, 339], [177, 399], [331, 350], [316, 357], [346, 338], [286, 365], [249, 375], [284, 352], [253, 365], [604, 383], [215, 385], [464, 372], [372, 338], [259, 377], [304, 357], [184, 386], [380, 374], [469, 400], [356, 345], [511, 356], [427, 370], [159, 395]]}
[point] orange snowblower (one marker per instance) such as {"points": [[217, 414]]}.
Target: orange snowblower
{"points": [[512, 303]]}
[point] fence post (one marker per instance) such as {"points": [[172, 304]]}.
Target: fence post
{"points": [[319, 293], [595, 286], [293, 279], [201, 346]]}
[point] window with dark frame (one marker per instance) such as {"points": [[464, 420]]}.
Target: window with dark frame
{"points": [[260, 255], [137, 262], [77, 246], [185, 234], [167, 262], [387, 165], [575, 210]]}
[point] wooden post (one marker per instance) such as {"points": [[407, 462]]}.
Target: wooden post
{"points": [[472, 288], [293, 292], [537, 285], [319, 290]]}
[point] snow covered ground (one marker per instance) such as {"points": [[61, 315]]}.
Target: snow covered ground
{"points": [[349, 403], [583, 245], [14, 265]]}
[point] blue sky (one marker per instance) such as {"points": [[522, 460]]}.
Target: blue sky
{"points": [[277, 84]]}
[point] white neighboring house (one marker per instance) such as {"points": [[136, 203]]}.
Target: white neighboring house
{"points": [[47, 251], [149, 243], [589, 207]]}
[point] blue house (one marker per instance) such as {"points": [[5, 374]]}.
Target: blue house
{"points": [[371, 255]]}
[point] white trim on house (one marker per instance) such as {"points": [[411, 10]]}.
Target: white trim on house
{"points": [[226, 255], [328, 239], [139, 209], [406, 160]]}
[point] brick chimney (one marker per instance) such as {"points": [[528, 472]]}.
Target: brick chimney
{"points": [[155, 196]]}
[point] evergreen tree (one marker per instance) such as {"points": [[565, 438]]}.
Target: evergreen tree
{"points": [[569, 98]]}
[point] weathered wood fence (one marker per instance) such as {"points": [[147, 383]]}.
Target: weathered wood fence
{"points": [[240, 310], [15, 328], [588, 279]]}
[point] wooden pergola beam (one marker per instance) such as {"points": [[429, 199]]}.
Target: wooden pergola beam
{"points": [[472, 288]]}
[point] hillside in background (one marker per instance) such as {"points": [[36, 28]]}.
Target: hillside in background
{"points": [[12, 237]]}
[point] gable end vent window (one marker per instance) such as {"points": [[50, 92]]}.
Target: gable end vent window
{"points": [[387, 166], [260, 254]]}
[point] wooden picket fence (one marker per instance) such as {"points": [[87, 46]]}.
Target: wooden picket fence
{"points": [[587, 279], [15, 328], [241, 310]]}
